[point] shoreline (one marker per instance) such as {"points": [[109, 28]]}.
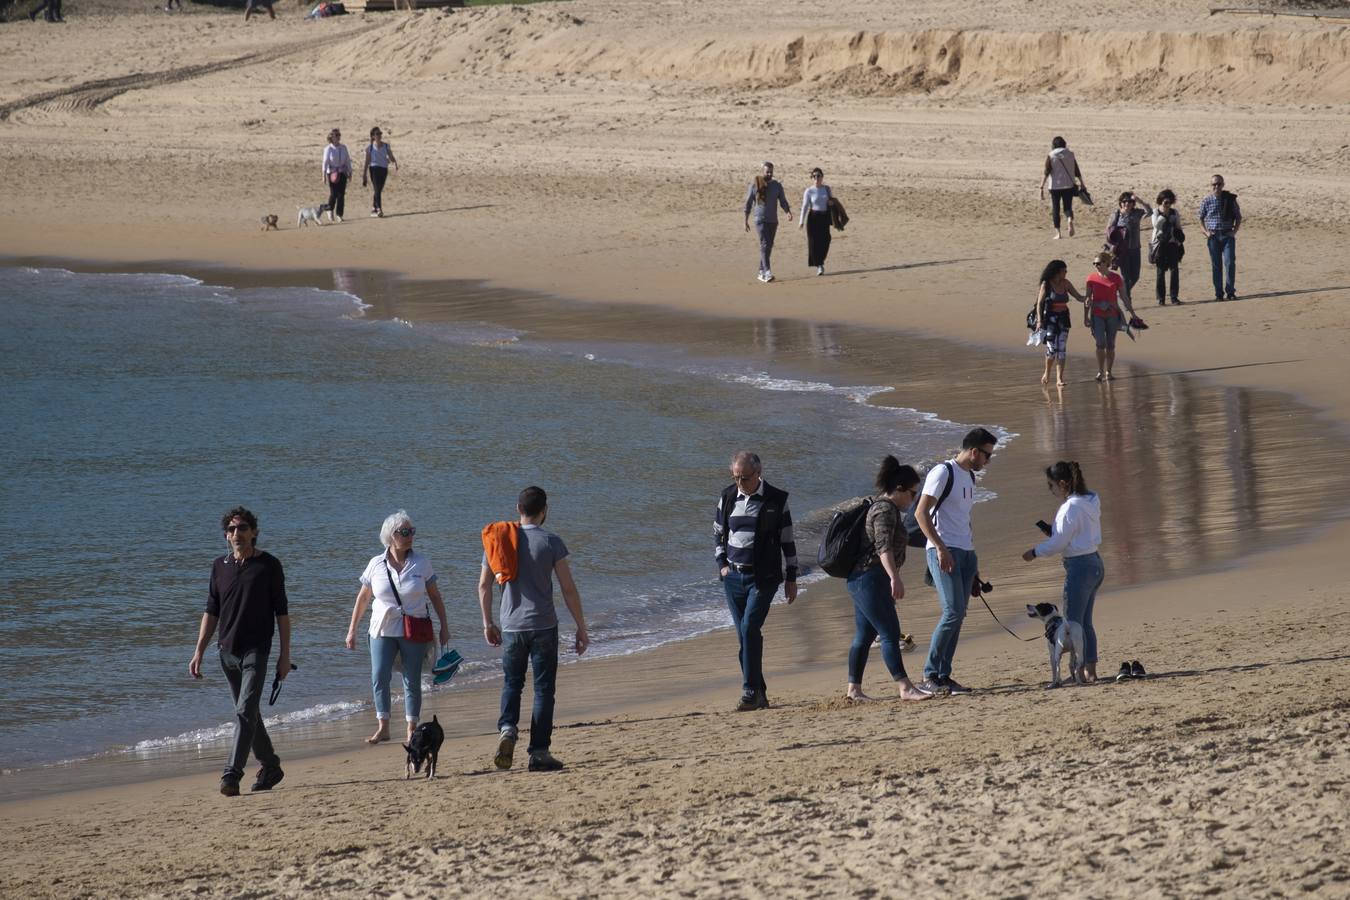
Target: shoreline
{"points": [[323, 739]]}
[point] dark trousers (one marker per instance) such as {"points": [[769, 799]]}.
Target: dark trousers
{"points": [[817, 237], [1130, 264], [539, 651], [766, 231], [246, 675], [874, 616], [52, 8], [1061, 197], [1223, 261], [1163, 271], [749, 602], [377, 176], [337, 194]]}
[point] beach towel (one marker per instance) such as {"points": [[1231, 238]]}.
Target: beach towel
{"points": [[501, 543]]}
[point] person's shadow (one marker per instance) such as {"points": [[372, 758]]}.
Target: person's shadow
{"points": [[1265, 295], [432, 212], [899, 266]]}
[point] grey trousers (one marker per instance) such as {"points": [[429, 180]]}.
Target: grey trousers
{"points": [[246, 675], [766, 232]]}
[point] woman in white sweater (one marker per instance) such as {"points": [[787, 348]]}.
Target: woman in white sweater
{"points": [[1077, 534], [815, 218]]}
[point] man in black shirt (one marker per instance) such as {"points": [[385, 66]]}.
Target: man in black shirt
{"points": [[248, 591]]}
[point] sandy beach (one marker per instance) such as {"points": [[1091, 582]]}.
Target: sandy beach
{"points": [[599, 152]]}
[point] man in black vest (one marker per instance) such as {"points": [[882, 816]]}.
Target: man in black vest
{"points": [[753, 533]]}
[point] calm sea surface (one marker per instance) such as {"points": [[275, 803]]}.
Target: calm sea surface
{"points": [[139, 407]]}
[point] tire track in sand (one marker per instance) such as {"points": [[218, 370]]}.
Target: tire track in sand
{"points": [[88, 96]]}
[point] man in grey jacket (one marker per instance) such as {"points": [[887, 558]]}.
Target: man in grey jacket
{"points": [[763, 199]]}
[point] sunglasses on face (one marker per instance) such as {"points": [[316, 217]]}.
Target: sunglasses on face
{"points": [[405, 531]]}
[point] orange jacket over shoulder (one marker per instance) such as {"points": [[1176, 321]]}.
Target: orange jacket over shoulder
{"points": [[501, 543]]}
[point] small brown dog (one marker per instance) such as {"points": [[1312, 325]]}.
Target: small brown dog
{"points": [[269, 223]]}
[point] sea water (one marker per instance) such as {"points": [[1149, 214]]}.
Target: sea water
{"points": [[137, 408]]}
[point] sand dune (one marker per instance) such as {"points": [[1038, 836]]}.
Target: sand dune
{"points": [[1248, 65]]}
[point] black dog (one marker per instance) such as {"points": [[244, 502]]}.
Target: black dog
{"points": [[424, 747]]}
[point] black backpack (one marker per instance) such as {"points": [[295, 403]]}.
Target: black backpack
{"points": [[845, 540], [910, 520]]}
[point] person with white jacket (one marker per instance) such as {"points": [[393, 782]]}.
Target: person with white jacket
{"points": [[1077, 533]]}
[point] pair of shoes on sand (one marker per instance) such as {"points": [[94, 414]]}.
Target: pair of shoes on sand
{"points": [[268, 778], [753, 701], [1129, 670], [542, 761]]}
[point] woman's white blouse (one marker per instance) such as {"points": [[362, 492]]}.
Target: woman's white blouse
{"points": [[815, 199], [385, 620]]}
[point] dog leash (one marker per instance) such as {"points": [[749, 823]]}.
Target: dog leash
{"points": [[1000, 623]]}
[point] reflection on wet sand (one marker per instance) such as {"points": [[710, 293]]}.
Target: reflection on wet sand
{"points": [[1189, 472]]}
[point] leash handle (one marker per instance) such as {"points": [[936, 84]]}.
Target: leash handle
{"points": [[1000, 623]]}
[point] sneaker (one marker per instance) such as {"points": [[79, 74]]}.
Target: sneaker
{"points": [[1137, 670], [1218, 297], [1176, 302], [820, 270], [544, 762], [1124, 674], [338, 219], [268, 778], [768, 276], [761, 700], [374, 213], [748, 702], [932, 686], [761, 277], [506, 749], [955, 687], [229, 785]]}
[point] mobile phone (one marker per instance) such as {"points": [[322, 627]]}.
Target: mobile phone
{"points": [[1040, 523]]}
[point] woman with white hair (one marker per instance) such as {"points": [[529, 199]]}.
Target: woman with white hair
{"points": [[402, 585]]}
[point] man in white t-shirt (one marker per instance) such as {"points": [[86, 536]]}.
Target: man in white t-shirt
{"points": [[951, 551]]}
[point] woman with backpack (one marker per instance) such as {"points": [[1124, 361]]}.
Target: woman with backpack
{"points": [[1065, 180], [875, 583], [1166, 247], [1077, 533], [1052, 316]]}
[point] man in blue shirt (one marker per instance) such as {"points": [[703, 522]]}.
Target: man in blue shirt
{"points": [[1220, 219]]}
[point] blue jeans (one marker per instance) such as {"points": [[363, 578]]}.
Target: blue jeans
{"points": [[749, 602], [539, 651], [766, 231], [1223, 260], [382, 651], [873, 615], [953, 590], [1083, 575], [247, 674]]}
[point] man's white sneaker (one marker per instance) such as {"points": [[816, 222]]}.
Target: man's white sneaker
{"points": [[768, 276], [820, 270], [761, 277]]}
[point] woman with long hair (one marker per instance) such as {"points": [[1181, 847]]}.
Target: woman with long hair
{"points": [[875, 582], [376, 169], [815, 218], [1077, 533], [1052, 316]]}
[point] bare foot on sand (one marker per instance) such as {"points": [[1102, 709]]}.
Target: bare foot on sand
{"points": [[381, 734], [909, 692], [1045, 379], [1060, 383], [856, 695]]}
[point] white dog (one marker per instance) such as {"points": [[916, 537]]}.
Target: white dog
{"points": [[310, 214], [1061, 635]]}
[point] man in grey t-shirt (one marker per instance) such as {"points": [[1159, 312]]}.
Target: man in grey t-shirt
{"points": [[762, 199], [529, 629]]}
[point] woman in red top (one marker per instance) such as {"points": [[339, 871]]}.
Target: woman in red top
{"points": [[1106, 292]]}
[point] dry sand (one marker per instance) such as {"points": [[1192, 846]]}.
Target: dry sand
{"points": [[600, 150]]}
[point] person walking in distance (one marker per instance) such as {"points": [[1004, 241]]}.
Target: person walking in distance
{"points": [[1167, 246], [337, 170], [379, 156], [1065, 180], [1130, 210], [1106, 293], [1220, 218], [528, 632], [815, 218], [763, 199], [950, 548], [247, 594], [753, 546]]}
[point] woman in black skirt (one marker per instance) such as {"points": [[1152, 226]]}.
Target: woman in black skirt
{"points": [[815, 218]]}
